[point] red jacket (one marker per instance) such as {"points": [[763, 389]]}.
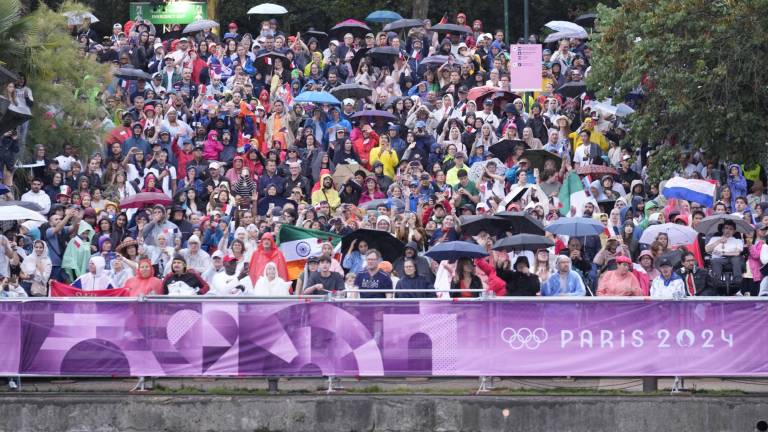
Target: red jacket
{"points": [[364, 146]]}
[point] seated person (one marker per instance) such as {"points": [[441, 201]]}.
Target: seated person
{"points": [[619, 282], [726, 249], [565, 281]]}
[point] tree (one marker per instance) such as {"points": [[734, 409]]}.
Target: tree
{"points": [[699, 65], [65, 83]]}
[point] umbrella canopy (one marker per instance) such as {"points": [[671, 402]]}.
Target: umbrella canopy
{"points": [[537, 158], [266, 60], [576, 227], [586, 20], [17, 213], [144, 199], [389, 202], [322, 37], [26, 204], [383, 56], [478, 93], [504, 148], [620, 110], [267, 9], [596, 170], [383, 16], [317, 97], [436, 60], [564, 26], [566, 34], [572, 89], [454, 250], [530, 242], [200, 25], [76, 18], [386, 115], [4, 189], [354, 91], [403, 24], [355, 27], [522, 222], [451, 28], [389, 247], [493, 225], [711, 224], [478, 168], [678, 235], [131, 73]]}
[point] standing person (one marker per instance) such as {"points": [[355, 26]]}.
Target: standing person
{"points": [[565, 282], [24, 100], [668, 284], [270, 284], [410, 279], [354, 259], [464, 279], [265, 253], [371, 278], [36, 270], [324, 280], [183, 281]]}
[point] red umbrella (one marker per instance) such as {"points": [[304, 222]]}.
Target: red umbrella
{"points": [[145, 199], [599, 170], [350, 26], [482, 92]]}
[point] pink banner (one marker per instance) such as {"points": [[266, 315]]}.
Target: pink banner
{"points": [[525, 67], [384, 338]]}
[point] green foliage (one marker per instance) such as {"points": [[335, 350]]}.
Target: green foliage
{"points": [[63, 81], [700, 64], [662, 163]]}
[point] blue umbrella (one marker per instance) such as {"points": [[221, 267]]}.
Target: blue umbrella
{"points": [[4, 189], [317, 97], [576, 227], [383, 16], [454, 250]]}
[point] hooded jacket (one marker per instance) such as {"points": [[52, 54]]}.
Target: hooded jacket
{"points": [[262, 257], [78, 251], [212, 146], [331, 195], [139, 285], [737, 184]]}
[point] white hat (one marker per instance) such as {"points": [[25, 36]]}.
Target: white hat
{"points": [[334, 42], [214, 165], [193, 239], [348, 101], [117, 26], [218, 254]]}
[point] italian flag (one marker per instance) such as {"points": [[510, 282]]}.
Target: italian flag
{"points": [[297, 244], [572, 196]]}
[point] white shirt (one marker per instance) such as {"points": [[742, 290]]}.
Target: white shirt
{"points": [[732, 247], [65, 162], [40, 198], [223, 284], [676, 288]]}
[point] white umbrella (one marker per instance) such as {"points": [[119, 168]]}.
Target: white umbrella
{"points": [[267, 9], [566, 34], [76, 18], [678, 235], [200, 25], [17, 213], [478, 168], [564, 26]]}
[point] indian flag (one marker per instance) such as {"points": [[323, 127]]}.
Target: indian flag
{"points": [[572, 196], [297, 244]]}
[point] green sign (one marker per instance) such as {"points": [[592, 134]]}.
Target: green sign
{"points": [[179, 12]]}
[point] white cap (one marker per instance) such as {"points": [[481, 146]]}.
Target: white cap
{"points": [[214, 165], [348, 101], [193, 239], [218, 254], [117, 26]]}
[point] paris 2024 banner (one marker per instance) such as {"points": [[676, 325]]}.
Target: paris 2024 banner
{"points": [[347, 338]]}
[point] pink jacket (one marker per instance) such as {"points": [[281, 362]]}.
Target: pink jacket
{"points": [[754, 260], [212, 147]]}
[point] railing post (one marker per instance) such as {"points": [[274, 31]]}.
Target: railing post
{"points": [[650, 384], [272, 384]]}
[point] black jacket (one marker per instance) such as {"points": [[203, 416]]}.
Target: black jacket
{"points": [[702, 281], [518, 284], [415, 283]]}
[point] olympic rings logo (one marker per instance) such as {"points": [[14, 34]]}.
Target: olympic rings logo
{"points": [[524, 337]]}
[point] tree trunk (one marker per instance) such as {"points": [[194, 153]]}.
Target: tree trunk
{"points": [[420, 8]]}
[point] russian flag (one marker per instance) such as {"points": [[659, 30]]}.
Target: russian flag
{"points": [[700, 191]]}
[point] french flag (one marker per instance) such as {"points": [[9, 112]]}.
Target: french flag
{"points": [[700, 191]]}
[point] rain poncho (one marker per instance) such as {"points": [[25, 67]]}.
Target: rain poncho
{"points": [[78, 251], [139, 285], [261, 258], [268, 288], [94, 281]]}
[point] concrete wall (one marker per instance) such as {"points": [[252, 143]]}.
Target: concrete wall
{"points": [[347, 413]]}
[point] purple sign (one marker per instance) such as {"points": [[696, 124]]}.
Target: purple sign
{"points": [[427, 338]]}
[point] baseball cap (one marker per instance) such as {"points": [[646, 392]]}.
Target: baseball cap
{"points": [[229, 258], [117, 26], [218, 254], [349, 101]]}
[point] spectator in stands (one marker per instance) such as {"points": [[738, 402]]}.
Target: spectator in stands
{"points": [[565, 282]]}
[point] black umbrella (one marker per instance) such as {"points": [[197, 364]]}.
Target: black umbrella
{"points": [[383, 56], [375, 114], [530, 242], [522, 223], [586, 20], [355, 27], [354, 91], [358, 57], [403, 24], [537, 158], [504, 148], [26, 204], [572, 89], [711, 224], [322, 37], [454, 250], [266, 60], [493, 225], [389, 247], [131, 73], [451, 28]]}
